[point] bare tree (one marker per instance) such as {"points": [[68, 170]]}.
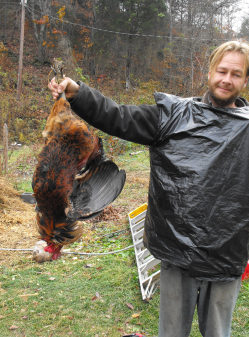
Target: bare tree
{"points": [[40, 11]]}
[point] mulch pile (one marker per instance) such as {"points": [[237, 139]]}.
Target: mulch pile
{"points": [[108, 214]]}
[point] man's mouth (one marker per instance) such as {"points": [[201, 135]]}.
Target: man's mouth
{"points": [[224, 89]]}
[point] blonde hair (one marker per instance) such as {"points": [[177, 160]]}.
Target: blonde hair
{"points": [[230, 46]]}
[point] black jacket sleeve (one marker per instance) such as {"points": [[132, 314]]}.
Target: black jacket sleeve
{"points": [[137, 124]]}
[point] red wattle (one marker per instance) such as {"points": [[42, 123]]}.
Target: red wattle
{"points": [[54, 250], [49, 249]]}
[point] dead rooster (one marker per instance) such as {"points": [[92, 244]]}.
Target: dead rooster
{"points": [[73, 179]]}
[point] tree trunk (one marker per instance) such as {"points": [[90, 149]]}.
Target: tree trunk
{"points": [[128, 64], [5, 148]]}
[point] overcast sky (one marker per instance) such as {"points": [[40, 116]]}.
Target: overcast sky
{"points": [[243, 6]]}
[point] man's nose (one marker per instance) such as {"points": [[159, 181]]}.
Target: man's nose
{"points": [[227, 78]]}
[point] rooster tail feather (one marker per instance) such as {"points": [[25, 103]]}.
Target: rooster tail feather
{"points": [[95, 189]]}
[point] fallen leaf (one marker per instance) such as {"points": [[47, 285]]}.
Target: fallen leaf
{"points": [[13, 327], [135, 315], [26, 296], [96, 297], [68, 317], [130, 306], [51, 278]]}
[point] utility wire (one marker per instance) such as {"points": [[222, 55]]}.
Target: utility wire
{"points": [[29, 9], [121, 33], [130, 34]]}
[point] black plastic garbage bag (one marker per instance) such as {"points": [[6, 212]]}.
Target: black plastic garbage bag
{"points": [[198, 214]]}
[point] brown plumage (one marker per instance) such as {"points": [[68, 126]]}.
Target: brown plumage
{"points": [[73, 180]]}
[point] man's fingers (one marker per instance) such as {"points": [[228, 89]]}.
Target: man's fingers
{"points": [[56, 88], [63, 85], [69, 86]]}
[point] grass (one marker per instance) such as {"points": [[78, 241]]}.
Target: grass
{"points": [[241, 314], [89, 296], [84, 297], [21, 162]]}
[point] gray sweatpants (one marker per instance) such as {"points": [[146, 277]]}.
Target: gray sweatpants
{"points": [[180, 294]]}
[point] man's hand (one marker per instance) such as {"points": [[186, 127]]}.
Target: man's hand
{"points": [[68, 85]]}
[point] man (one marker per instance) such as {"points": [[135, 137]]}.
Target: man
{"points": [[197, 221]]}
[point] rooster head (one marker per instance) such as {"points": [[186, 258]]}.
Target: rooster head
{"points": [[57, 233]]}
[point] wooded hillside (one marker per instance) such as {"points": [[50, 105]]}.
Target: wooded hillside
{"points": [[113, 45]]}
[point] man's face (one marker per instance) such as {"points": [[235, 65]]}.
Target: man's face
{"points": [[227, 80]]}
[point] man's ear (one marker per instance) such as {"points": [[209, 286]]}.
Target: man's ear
{"points": [[246, 81]]}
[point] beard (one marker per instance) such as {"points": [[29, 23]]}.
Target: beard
{"points": [[222, 102], [219, 101]]}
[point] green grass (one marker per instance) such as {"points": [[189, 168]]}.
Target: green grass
{"points": [[21, 163], [83, 297], [241, 314], [95, 296], [23, 185]]}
